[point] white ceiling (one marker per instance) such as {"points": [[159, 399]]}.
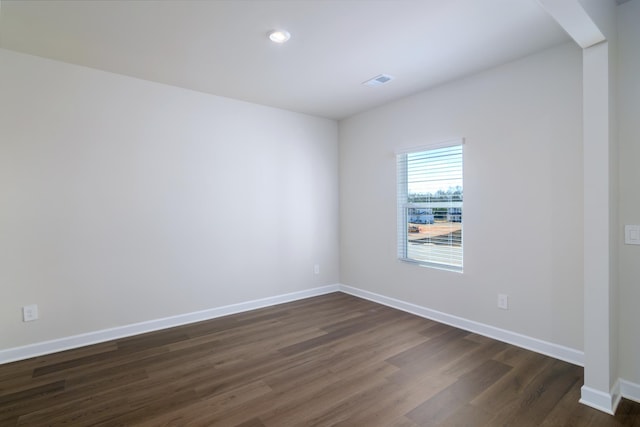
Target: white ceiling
{"points": [[220, 46]]}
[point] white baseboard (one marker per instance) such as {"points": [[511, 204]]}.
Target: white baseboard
{"points": [[605, 402], [557, 351], [630, 390], [75, 341]]}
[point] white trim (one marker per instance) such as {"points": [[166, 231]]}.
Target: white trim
{"points": [[575, 21], [431, 146], [605, 402], [630, 390], [75, 341], [547, 348]]}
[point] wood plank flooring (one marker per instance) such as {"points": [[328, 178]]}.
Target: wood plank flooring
{"points": [[333, 360]]}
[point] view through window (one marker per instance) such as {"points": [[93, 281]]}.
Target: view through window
{"points": [[430, 206]]}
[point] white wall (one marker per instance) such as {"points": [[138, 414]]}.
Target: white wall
{"points": [[523, 196], [123, 200], [629, 202]]}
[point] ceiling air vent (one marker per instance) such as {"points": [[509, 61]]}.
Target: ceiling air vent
{"points": [[378, 80]]}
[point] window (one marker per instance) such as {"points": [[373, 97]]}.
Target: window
{"points": [[430, 205]]}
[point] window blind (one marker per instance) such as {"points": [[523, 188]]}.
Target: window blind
{"points": [[430, 206]]}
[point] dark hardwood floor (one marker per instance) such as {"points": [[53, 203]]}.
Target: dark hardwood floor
{"points": [[333, 360]]}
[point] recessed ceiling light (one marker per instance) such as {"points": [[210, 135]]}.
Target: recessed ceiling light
{"points": [[279, 36]]}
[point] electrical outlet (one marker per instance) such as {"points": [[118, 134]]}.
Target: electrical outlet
{"points": [[503, 301], [30, 313], [316, 269]]}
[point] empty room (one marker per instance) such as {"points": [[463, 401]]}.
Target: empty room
{"points": [[274, 213]]}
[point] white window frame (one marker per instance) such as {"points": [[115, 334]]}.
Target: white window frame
{"points": [[455, 263]]}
